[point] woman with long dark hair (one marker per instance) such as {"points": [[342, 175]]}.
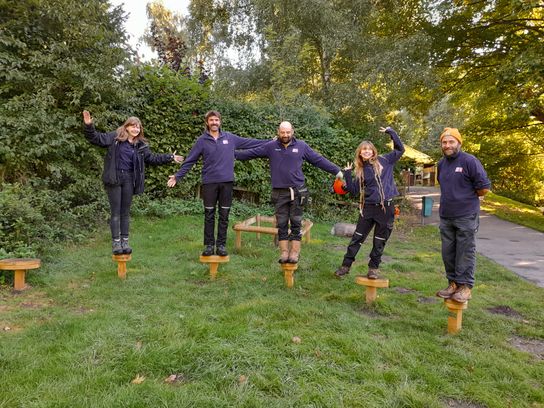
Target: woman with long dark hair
{"points": [[124, 172], [374, 185]]}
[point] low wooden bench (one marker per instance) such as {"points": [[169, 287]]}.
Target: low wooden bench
{"points": [[455, 319], [214, 261], [122, 264], [371, 285], [19, 266], [248, 226]]}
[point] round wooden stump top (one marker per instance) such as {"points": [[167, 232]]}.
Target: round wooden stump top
{"points": [[453, 305], [122, 257], [289, 266], [17, 264], [374, 283], [214, 259]]}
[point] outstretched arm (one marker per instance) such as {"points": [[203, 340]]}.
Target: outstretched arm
{"points": [[319, 161], [249, 154], [192, 158], [247, 143]]}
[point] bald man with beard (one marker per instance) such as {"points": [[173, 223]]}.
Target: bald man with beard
{"points": [[289, 193]]}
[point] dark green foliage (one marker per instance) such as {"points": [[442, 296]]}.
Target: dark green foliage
{"points": [[58, 58]]}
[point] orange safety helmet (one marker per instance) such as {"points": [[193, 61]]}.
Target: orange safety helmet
{"points": [[339, 187]]}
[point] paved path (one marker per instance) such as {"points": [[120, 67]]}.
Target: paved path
{"points": [[513, 246]]}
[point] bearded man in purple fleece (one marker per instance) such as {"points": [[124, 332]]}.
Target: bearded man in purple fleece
{"points": [[462, 181], [289, 194], [217, 150]]}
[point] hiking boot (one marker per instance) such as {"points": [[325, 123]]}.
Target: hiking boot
{"points": [[372, 273], [221, 250], [294, 252], [463, 294], [125, 246], [208, 251], [284, 251], [116, 247], [342, 271], [448, 292]]}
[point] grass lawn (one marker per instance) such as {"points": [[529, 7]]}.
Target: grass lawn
{"points": [[513, 211], [80, 336]]}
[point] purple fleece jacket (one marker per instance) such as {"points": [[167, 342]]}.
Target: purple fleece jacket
{"points": [[388, 160], [460, 175], [286, 162], [217, 156]]}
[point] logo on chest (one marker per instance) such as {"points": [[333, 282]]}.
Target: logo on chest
{"points": [[295, 150], [458, 169], [225, 142]]}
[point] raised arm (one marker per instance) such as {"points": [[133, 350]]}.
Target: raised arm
{"points": [[96, 138], [155, 159], [398, 147], [352, 183]]}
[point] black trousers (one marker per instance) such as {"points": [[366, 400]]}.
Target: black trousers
{"points": [[213, 194], [382, 221], [288, 211], [120, 198]]}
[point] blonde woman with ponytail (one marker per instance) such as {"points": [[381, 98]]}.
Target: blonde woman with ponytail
{"points": [[372, 182]]}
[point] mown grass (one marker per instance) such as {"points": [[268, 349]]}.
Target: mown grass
{"points": [[80, 335], [514, 211]]}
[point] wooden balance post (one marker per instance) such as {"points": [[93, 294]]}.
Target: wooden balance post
{"points": [[214, 261], [248, 226], [455, 319], [19, 266], [289, 273], [122, 264], [372, 286]]}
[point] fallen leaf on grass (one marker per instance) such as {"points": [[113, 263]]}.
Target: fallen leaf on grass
{"points": [[7, 328], [174, 378], [138, 379], [138, 345], [242, 380], [296, 340]]}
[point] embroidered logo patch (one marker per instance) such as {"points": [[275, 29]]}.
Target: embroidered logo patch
{"points": [[295, 150], [225, 142], [458, 169]]}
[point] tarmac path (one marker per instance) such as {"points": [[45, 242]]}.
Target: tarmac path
{"points": [[513, 246]]}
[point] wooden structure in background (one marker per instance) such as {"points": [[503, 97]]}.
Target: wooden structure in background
{"points": [[19, 266]]}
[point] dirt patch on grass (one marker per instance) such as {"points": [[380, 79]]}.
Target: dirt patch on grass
{"points": [[453, 403], [427, 300], [531, 346], [404, 291], [504, 310]]}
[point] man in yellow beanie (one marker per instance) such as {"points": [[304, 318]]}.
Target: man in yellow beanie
{"points": [[462, 181]]}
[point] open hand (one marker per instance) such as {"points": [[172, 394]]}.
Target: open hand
{"points": [[171, 181], [87, 119], [383, 129], [178, 158], [349, 166]]}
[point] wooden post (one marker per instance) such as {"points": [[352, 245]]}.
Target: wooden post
{"points": [[258, 225], [213, 261], [289, 273], [238, 240], [122, 264], [19, 266], [371, 285], [455, 319]]}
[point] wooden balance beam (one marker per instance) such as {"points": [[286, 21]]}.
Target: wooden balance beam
{"points": [[289, 273], [371, 285], [248, 226], [214, 261], [19, 266], [122, 264], [455, 319]]}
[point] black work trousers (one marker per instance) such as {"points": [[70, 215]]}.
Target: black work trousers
{"points": [[213, 194], [120, 198], [288, 211], [382, 221]]}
